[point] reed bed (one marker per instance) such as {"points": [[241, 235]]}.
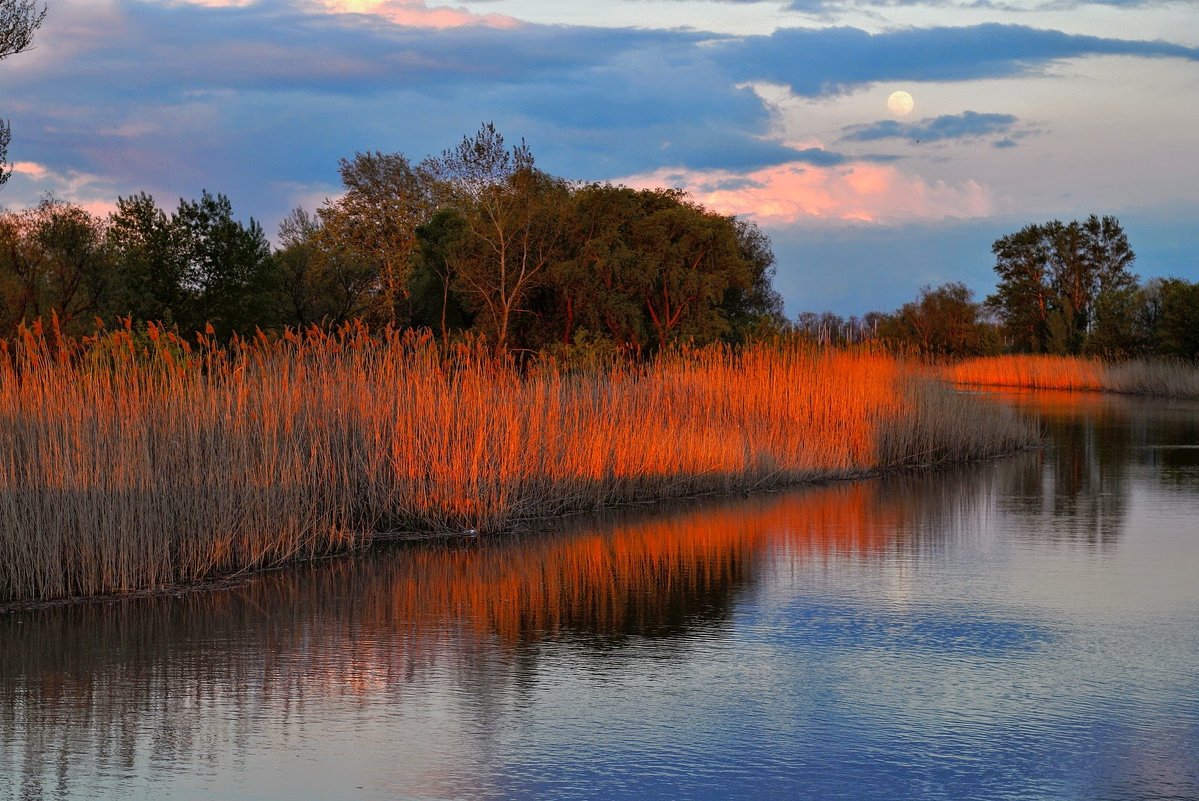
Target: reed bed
{"points": [[132, 461], [1175, 379]]}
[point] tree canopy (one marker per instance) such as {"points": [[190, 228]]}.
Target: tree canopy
{"points": [[479, 238], [1055, 277]]}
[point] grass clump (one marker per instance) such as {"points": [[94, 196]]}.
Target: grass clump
{"points": [[132, 461]]}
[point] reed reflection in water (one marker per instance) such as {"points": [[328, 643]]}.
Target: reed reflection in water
{"points": [[158, 684]]}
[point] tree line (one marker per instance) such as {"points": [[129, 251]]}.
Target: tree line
{"points": [[477, 239], [1062, 288]]}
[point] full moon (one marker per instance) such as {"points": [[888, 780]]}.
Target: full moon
{"points": [[900, 103]]}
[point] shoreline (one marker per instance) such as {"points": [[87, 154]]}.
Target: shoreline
{"points": [[538, 524]]}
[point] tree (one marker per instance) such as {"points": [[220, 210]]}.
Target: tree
{"points": [[149, 270], [944, 322], [197, 266], [1052, 276], [376, 219], [297, 277], [648, 267], [755, 308], [225, 266], [513, 218], [52, 261], [1023, 296], [691, 259], [1178, 328], [435, 303], [316, 279], [595, 281], [18, 21]]}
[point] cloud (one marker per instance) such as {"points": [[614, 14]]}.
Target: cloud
{"points": [[967, 125], [31, 181], [217, 3], [826, 7], [815, 62], [417, 13], [30, 168], [251, 99], [797, 191]]}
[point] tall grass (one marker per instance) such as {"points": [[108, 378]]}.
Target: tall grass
{"points": [[132, 462], [1174, 379]]}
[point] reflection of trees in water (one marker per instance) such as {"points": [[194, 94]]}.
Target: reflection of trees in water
{"points": [[1098, 446], [156, 680], [1168, 443]]}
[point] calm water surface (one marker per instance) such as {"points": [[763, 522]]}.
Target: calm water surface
{"points": [[1023, 629]]}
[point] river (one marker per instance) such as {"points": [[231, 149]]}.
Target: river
{"points": [[1027, 628]]}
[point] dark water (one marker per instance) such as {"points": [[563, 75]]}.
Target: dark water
{"points": [[1024, 629]]}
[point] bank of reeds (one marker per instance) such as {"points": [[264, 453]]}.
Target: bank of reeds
{"points": [[1175, 379], [132, 461]]}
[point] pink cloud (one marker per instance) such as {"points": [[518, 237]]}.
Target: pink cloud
{"points": [[32, 181], [30, 168], [219, 3], [796, 191], [417, 14]]}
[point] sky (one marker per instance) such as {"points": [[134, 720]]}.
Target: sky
{"points": [[1023, 111]]}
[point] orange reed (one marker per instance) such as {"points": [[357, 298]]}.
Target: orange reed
{"points": [[136, 460]]}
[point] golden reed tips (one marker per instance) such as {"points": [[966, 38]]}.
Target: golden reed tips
{"points": [[134, 460]]}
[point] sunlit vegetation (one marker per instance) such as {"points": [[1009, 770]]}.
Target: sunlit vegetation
{"points": [[1164, 378], [133, 459], [1062, 289], [476, 242]]}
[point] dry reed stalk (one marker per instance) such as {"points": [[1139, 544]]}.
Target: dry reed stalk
{"points": [[131, 462], [1162, 378]]}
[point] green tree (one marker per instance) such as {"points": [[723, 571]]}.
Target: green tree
{"points": [[944, 322], [23, 270], [299, 290], [596, 281], [52, 260], [1178, 327], [150, 272], [757, 308], [691, 259], [1053, 275], [514, 217], [226, 266], [435, 303], [375, 221], [648, 267], [197, 266], [1116, 331], [317, 279], [1022, 297]]}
